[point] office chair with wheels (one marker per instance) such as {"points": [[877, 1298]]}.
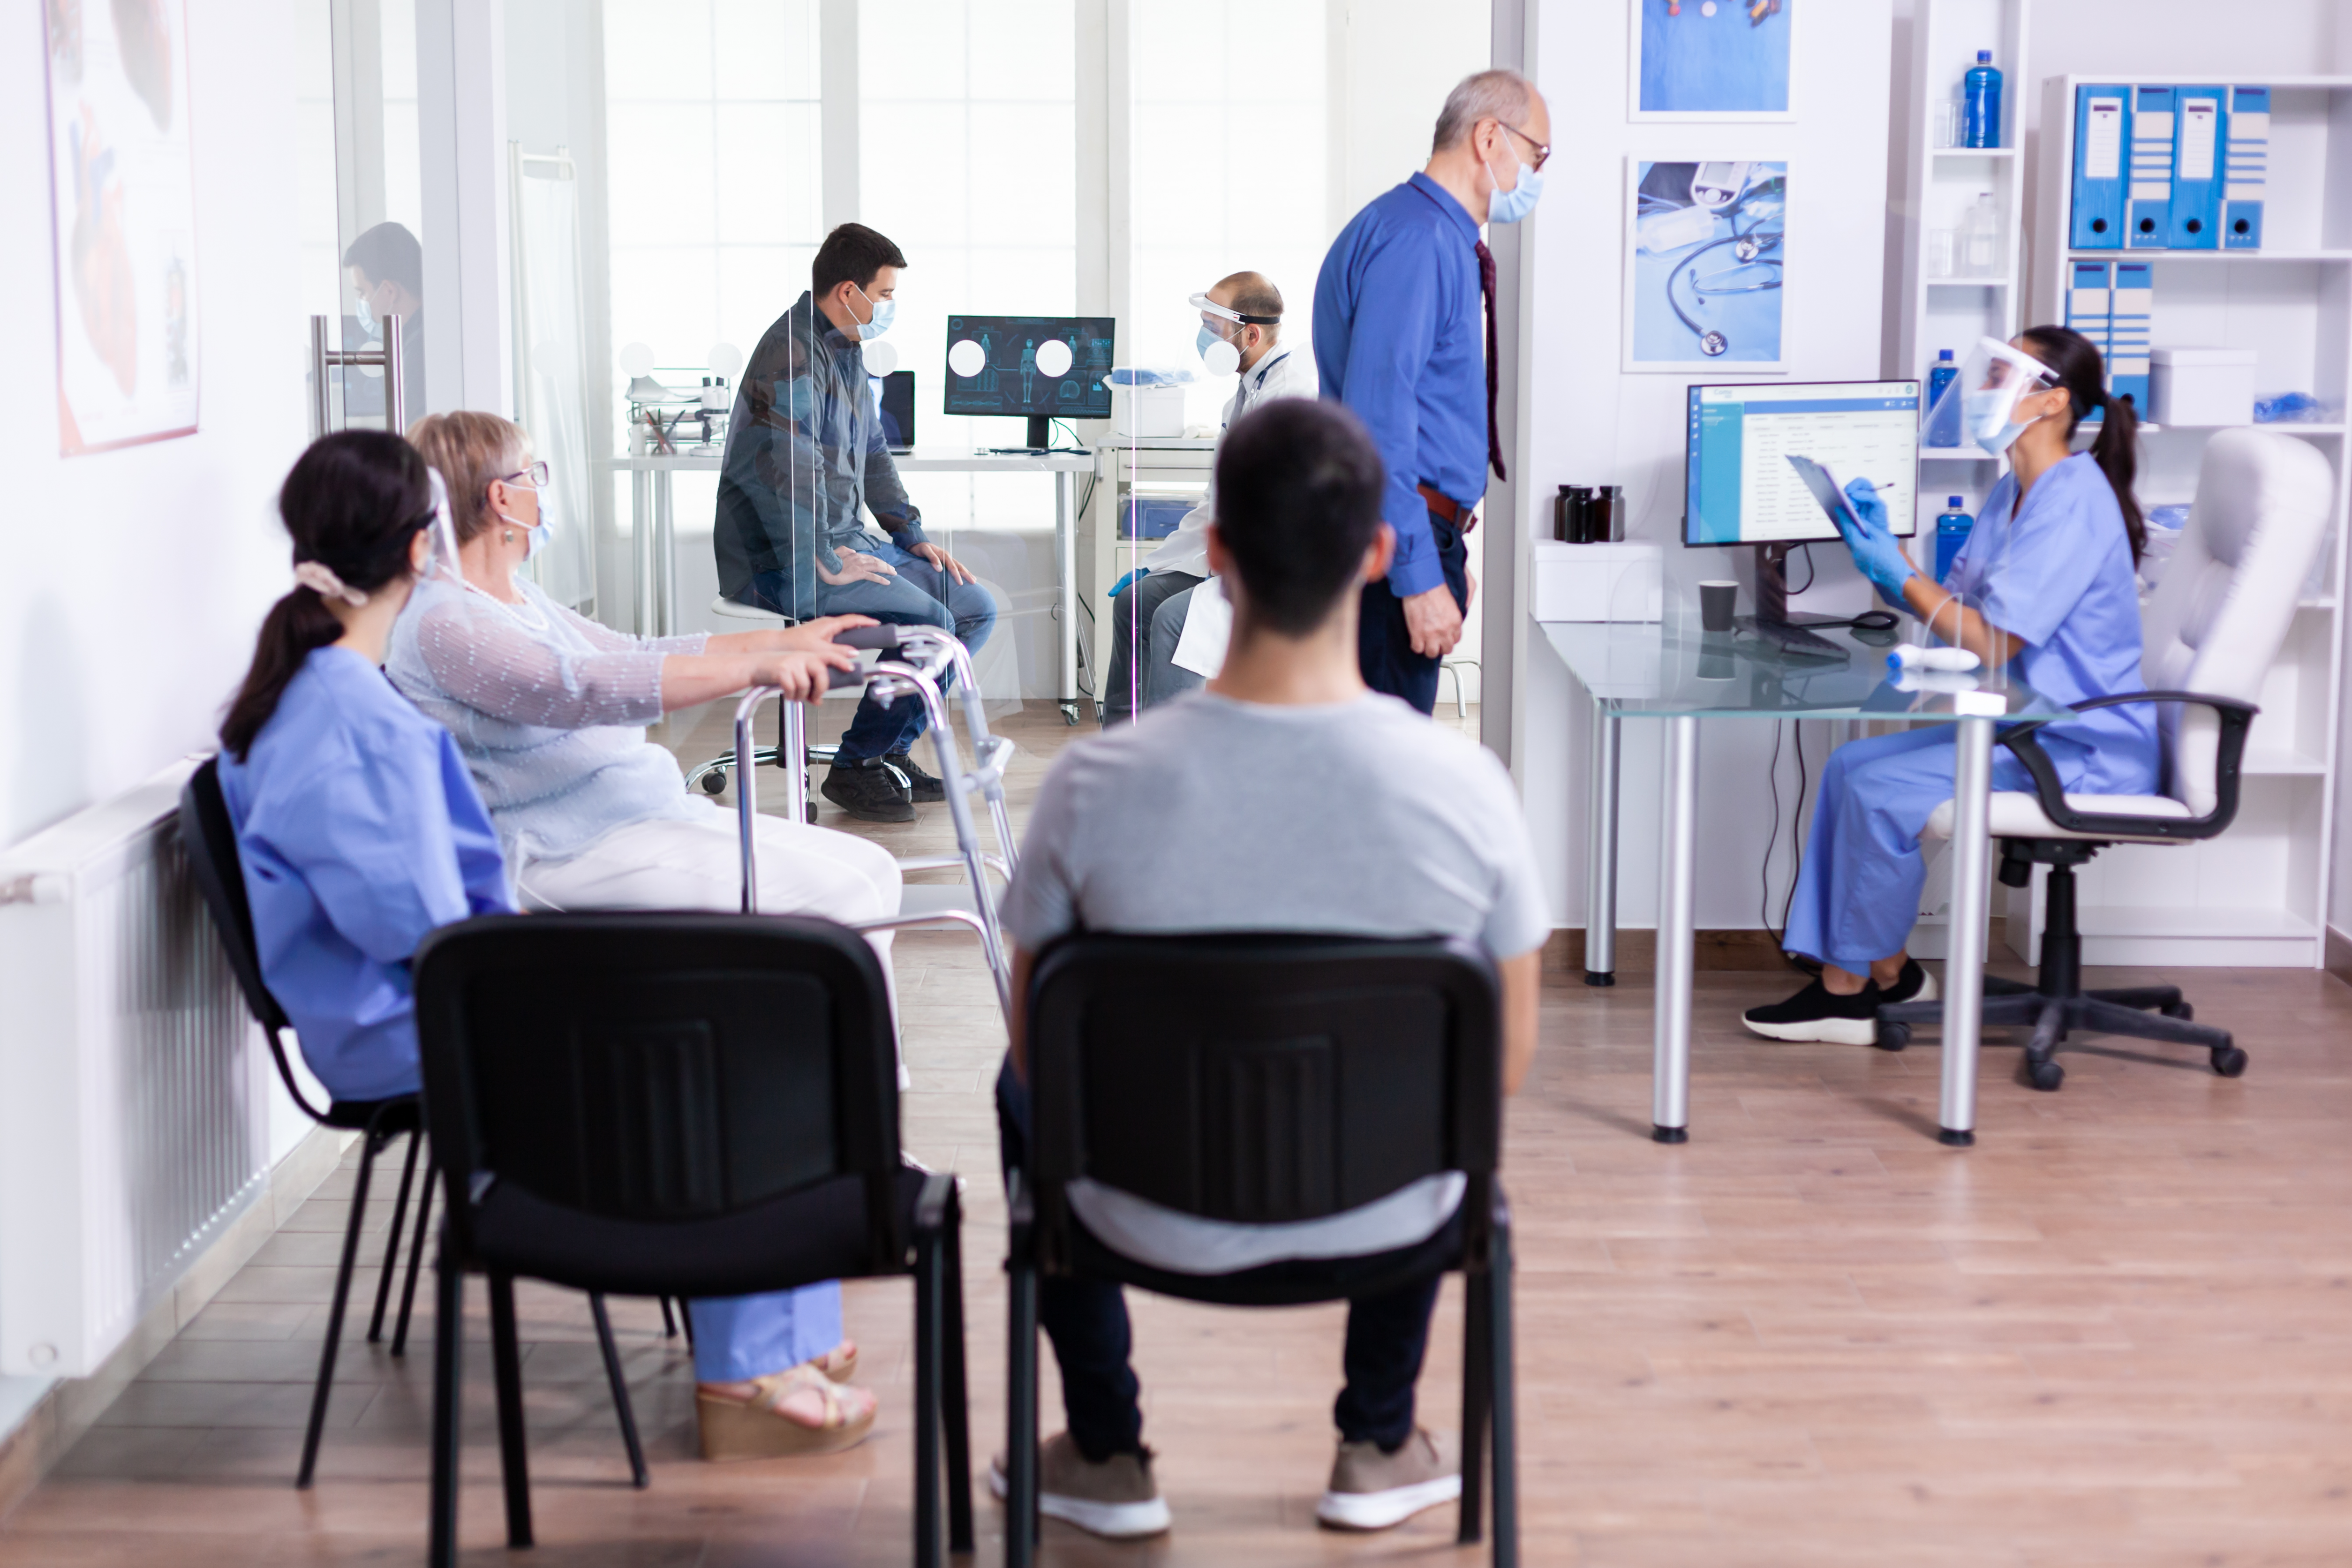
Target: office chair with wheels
{"points": [[2210, 635], [1272, 1080], [210, 837], [710, 777], [675, 1104]]}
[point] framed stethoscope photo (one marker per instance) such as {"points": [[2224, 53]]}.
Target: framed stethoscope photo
{"points": [[1706, 257]]}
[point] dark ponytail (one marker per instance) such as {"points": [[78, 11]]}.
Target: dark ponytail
{"points": [[352, 502], [2075, 360]]}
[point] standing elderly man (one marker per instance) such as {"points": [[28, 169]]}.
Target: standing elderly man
{"points": [[1397, 339]]}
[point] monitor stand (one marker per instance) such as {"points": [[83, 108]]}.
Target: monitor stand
{"points": [[1772, 620], [1041, 437]]}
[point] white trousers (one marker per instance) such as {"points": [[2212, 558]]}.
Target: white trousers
{"points": [[696, 863]]}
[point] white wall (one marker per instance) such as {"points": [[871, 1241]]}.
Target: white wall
{"points": [[135, 578], [1594, 424]]}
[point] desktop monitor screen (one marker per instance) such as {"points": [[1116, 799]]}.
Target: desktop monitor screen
{"points": [[1741, 488], [1003, 359], [894, 397]]}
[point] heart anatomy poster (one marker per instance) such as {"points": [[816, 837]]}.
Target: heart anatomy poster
{"points": [[122, 196]]}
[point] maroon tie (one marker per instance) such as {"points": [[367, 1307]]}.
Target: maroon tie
{"points": [[1486, 289]]}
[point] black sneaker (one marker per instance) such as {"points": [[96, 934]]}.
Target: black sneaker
{"points": [[1813, 1014], [869, 792], [1916, 985], [920, 785]]}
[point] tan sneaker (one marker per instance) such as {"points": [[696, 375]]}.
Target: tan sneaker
{"points": [[1116, 1498], [1372, 1490]]}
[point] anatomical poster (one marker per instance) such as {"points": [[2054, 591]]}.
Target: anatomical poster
{"points": [[121, 184]]}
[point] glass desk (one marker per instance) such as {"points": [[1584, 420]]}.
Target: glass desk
{"points": [[1680, 675]]}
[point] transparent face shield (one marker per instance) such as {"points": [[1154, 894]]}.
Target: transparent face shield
{"points": [[1220, 325], [1980, 405]]}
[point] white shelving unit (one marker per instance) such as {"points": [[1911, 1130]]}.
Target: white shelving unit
{"points": [[1941, 182], [2255, 896]]}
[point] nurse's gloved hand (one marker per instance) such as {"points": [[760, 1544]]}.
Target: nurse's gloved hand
{"points": [[1120, 586], [1877, 553]]}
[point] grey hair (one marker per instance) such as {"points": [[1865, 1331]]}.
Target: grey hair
{"points": [[1503, 95]]}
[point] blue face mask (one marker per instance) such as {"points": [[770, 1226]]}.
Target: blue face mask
{"points": [[1511, 205], [800, 398], [885, 313], [365, 315]]}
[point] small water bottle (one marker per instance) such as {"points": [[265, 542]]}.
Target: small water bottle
{"points": [[1943, 418], [1951, 532], [1980, 103], [1981, 238]]}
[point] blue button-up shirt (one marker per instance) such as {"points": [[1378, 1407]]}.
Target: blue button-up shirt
{"points": [[1399, 340]]}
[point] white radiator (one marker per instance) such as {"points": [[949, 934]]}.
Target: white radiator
{"points": [[134, 1107]]}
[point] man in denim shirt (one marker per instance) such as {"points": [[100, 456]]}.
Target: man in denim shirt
{"points": [[806, 455]]}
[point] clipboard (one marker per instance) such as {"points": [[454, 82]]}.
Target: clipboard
{"points": [[1826, 491]]}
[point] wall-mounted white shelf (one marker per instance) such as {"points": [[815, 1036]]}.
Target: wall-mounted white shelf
{"points": [[1939, 186], [2256, 895]]}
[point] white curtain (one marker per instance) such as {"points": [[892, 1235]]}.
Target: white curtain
{"points": [[550, 335]]}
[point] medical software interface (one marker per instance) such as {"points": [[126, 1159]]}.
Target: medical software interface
{"points": [[1742, 487], [995, 365]]}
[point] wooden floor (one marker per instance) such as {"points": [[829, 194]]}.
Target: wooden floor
{"points": [[2117, 1331]]}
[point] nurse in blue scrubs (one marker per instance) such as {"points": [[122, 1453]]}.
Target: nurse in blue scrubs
{"points": [[357, 823], [2046, 586], [360, 831]]}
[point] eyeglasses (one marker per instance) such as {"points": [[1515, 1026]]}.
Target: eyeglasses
{"points": [[1543, 149], [536, 473]]}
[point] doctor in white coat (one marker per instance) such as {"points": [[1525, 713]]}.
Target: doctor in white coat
{"points": [[1241, 332]]}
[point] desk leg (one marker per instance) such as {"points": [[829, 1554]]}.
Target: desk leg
{"points": [[1971, 900], [1677, 874], [665, 556], [1600, 853], [1066, 567], [641, 549]]}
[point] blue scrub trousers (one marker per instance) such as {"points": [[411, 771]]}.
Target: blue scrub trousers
{"points": [[1858, 891], [742, 1336], [921, 594]]}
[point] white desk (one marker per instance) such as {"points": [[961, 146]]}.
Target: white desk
{"points": [[1682, 676], [654, 543]]}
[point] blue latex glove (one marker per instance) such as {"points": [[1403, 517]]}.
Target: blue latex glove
{"points": [[1120, 586], [1877, 553]]}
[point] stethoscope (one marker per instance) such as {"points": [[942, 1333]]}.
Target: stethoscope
{"points": [[1753, 247]]}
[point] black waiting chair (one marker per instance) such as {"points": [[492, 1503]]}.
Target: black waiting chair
{"points": [[210, 838], [675, 1104], [1268, 1079]]}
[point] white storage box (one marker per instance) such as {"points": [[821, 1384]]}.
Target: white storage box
{"points": [[2201, 386], [1619, 581], [1151, 411]]}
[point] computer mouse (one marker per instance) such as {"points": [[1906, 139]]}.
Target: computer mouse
{"points": [[1875, 621]]}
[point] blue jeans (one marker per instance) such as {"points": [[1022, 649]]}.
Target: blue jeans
{"points": [[920, 595], [1087, 1321]]}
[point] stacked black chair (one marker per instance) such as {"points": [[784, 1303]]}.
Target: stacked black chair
{"points": [[1266, 1080], [210, 838], [685, 1105]]}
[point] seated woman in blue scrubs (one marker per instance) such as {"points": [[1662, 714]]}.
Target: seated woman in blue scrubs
{"points": [[360, 831], [357, 824], [2046, 585]]}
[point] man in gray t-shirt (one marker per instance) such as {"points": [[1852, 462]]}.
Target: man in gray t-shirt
{"points": [[1374, 823]]}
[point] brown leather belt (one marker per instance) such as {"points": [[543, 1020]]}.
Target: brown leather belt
{"points": [[1445, 506]]}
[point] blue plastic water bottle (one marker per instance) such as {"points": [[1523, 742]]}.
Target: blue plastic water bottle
{"points": [[1951, 532], [1980, 103], [1944, 422]]}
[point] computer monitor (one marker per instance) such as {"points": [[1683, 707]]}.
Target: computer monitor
{"points": [[895, 397], [993, 368], [1741, 489]]}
